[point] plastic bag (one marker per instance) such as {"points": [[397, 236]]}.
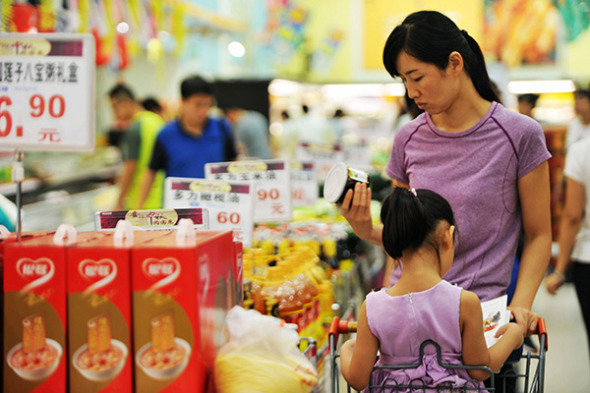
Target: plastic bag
{"points": [[260, 356]]}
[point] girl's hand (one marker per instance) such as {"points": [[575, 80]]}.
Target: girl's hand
{"points": [[356, 208], [526, 319], [513, 333]]}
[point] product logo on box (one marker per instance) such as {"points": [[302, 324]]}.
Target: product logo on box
{"points": [[101, 273], [40, 271], [166, 271]]}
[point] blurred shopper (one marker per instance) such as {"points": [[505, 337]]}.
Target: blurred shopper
{"points": [[250, 131], [490, 163], [288, 144], [314, 128], [526, 104], [186, 144], [579, 128], [136, 147], [574, 229], [339, 126], [153, 105]]}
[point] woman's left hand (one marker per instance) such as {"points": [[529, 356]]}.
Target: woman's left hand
{"points": [[526, 319]]}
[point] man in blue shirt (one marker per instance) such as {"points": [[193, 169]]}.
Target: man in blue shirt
{"points": [[185, 145]]}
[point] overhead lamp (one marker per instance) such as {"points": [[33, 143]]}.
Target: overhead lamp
{"points": [[236, 49], [541, 86], [123, 28], [284, 88]]}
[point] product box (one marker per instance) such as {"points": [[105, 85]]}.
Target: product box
{"points": [[35, 314], [239, 273], [99, 314], [176, 289]]}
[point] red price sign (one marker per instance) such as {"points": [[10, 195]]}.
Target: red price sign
{"points": [[264, 194], [225, 217], [47, 91]]}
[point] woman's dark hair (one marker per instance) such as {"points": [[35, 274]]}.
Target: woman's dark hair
{"points": [[430, 37], [409, 220]]}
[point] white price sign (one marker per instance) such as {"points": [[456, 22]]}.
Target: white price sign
{"points": [[304, 186], [323, 157], [272, 180], [230, 204], [47, 91]]}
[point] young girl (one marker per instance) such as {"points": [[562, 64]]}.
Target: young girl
{"points": [[418, 228]]}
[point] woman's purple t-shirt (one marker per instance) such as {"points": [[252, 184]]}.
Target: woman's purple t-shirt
{"points": [[477, 171]]}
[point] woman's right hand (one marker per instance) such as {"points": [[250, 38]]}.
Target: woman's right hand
{"points": [[356, 208]]}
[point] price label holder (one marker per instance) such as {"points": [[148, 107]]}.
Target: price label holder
{"points": [[152, 219], [272, 182], [304, 186], [323, 157], [230, 204], [46, 96]]}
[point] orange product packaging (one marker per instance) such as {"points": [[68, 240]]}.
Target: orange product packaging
{"points": [[99, 313], [176, 286], [35, 312]]}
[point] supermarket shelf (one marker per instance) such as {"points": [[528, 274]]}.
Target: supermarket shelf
{"points": [[28, 185]]}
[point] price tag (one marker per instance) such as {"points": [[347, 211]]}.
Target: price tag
{"points": [[47, 91], [272, 182], [323, 157], [304, 186], [230, 204], [152, 219]]}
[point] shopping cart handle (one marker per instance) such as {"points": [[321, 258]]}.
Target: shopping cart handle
{"points": [[339, 326], [542, 333]]}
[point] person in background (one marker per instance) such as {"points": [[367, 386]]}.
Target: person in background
{"points": [[579, 127], [574, 230], [136, 148], [490, 163], [153, 105], [419, 227], [338, 123], [250, 131], [314, 129], [288, 140], [123, 116], [186, 144], [526, 104]]}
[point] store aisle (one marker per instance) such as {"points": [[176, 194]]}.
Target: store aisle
{"points": [[568, 364]]}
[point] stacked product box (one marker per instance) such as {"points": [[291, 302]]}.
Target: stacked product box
{"points": [[35, 314], [99, 313], [181, 293]]}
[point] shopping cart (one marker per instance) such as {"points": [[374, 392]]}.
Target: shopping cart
{"points": [[527, 374]]}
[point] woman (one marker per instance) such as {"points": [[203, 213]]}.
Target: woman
{"points": [[574, 230], [488, 162]]}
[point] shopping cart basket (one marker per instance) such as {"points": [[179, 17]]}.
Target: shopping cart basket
{"points": [[527, 378]]}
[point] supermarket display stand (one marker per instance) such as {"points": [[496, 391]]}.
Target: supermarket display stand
{"points": [[18, 175]]}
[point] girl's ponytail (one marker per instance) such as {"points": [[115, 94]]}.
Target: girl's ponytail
{"points": [[476, 68], [410, 216], [404, 222]]}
